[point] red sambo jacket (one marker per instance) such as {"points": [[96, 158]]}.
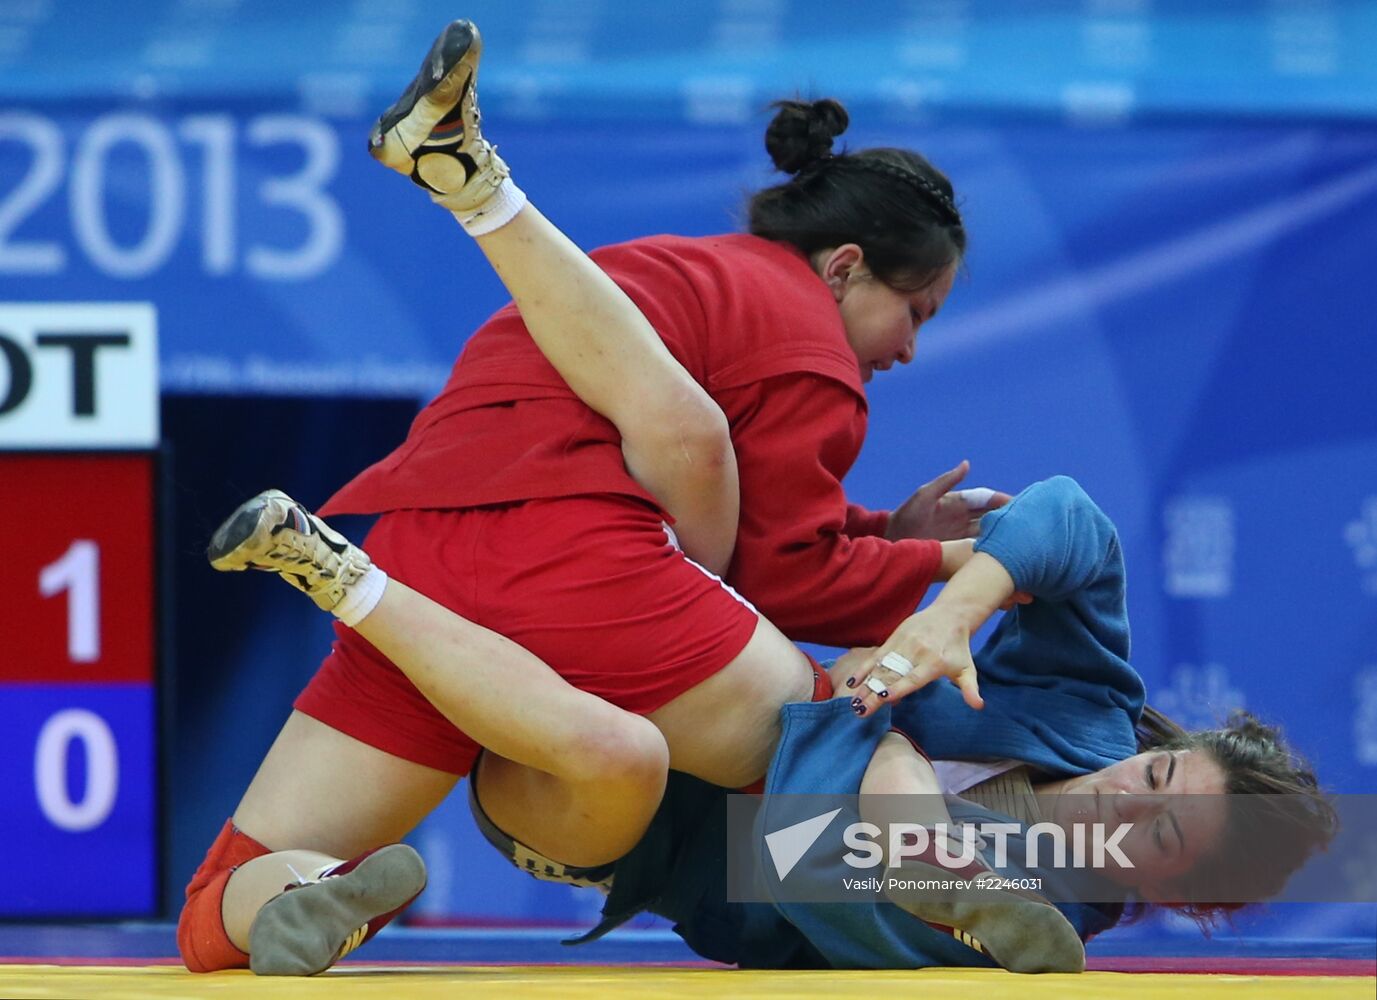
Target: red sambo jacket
{"points": [[754, 325]]}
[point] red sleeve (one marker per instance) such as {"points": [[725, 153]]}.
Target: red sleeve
{"points": [[860, 521], [796, 437]]}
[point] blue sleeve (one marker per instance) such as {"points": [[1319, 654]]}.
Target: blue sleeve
{"points": [[1061, 548], [1054, 541]]}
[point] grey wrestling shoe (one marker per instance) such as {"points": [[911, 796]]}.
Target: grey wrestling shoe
{"points": [[432, 134], [313, 924], [274, 533], [1019, 930]]}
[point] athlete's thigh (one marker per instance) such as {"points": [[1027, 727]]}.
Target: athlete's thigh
{"points": [[596, 588], [725, 728], [321, 790]]}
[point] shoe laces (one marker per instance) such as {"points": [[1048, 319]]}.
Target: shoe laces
{"points": [[304, 556], [305, 545]]}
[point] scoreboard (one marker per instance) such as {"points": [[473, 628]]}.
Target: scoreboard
{"points": [[79, 789]]}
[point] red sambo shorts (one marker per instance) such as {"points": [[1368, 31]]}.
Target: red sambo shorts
{"points": [[592, 585]]}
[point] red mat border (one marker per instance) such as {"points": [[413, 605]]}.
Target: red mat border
{"points": [[1233, 966], [1210, 966]]}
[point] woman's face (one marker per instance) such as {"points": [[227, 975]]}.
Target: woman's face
{"points": [[881, 322], [1175, 805]]}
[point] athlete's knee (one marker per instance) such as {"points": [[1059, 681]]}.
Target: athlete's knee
{"points": [[705, 436], [681, 454], [684, 425], [201, 938], [627, 752]]}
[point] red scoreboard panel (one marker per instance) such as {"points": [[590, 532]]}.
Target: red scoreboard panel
{"points": [[77, 570]]}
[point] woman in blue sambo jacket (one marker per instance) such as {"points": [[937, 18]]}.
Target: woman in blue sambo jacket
{"points": [[1062, 739]]}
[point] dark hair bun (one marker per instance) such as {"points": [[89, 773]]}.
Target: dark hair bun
{"points": [[802, 132]]}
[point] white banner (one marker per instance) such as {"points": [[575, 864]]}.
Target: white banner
{"points": [[78, 375]]}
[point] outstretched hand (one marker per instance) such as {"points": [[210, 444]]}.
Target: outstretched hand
{"points": [[935, 642], [938, 511], [930, 644]]}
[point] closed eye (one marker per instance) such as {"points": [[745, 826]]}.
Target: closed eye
{"points": [[1152, 780]]}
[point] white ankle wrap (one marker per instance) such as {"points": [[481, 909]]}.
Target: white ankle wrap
{"points": [[362, 597], [495, 212]]}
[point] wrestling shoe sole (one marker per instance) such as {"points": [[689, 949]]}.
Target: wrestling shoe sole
{"points": [[306, 930], [1019, 933], [245, 529], [460, 39]]}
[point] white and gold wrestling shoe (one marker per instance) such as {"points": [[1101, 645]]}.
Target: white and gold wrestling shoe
{"points": [[431, 134], [274, 533]]}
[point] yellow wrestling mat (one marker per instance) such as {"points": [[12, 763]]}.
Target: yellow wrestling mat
{"points": [[21, 982]]}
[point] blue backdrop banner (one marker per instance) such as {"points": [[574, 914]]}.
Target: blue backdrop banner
{"points": [[1177, 313]]}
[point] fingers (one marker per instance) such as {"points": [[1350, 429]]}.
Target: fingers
{"points": [[843, 671], [886, 675], [970, 688], [891, 675], [943, 483]]}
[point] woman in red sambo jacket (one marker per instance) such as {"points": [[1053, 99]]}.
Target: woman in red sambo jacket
{"points": [[517, 504]]}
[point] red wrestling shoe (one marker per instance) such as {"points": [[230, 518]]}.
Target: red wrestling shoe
{"points": [[311, 925]]}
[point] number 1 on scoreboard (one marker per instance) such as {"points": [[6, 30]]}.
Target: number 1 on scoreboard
{"points": [[77, 572]]}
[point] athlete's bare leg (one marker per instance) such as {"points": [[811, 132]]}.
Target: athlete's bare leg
{"points": [[574, 777], [578, 780], [514, 704], [321, 791], [675, 437], [592, 778]]}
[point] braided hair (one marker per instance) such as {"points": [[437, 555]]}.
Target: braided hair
{"points": [[893, 203]]}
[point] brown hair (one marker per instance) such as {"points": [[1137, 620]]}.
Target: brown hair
{"points": [[1257, 762]]}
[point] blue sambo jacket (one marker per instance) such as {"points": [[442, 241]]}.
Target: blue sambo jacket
{"points": [[1059, 695]]}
